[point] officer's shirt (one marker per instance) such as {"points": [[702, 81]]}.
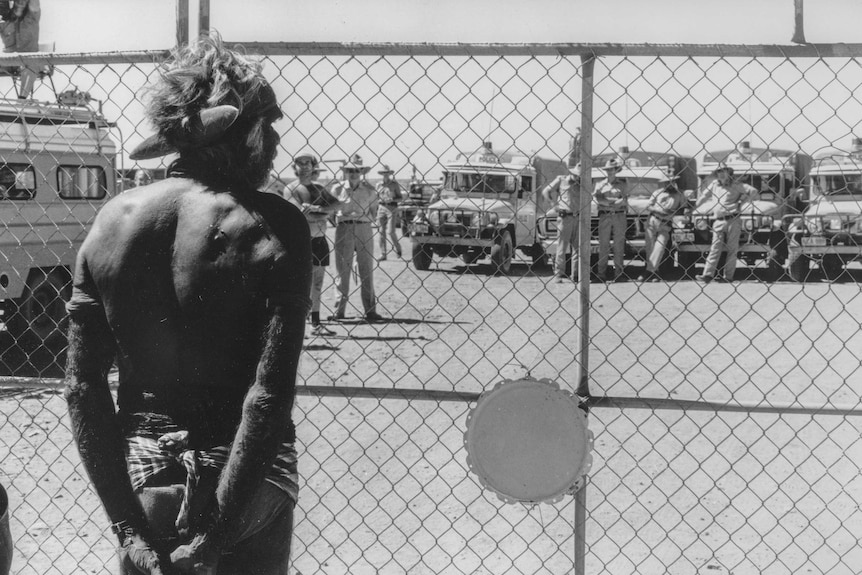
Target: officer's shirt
{"points": [[388, 192], [665, 201], [359, 203], [607, 192], [568, 188], [299, 194], [729, 198]]}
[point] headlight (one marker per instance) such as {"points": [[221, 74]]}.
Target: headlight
{"points": [[832, 223], [434, 217], [476, 220], [748, 224], [701, 224], [814, 225], [493, 218], [681, 221]]}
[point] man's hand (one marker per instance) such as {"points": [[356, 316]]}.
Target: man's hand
{"points": [[198, 557], [138, 557]]}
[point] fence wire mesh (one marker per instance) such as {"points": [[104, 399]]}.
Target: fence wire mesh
{"points": [[724, 413]]}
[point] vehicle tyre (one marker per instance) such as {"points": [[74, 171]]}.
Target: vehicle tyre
{"points": [[471, 256], [502, 252], [421, 257], [832, 266], [40, 313], [798, 267], [538, 255], [686, 261]]}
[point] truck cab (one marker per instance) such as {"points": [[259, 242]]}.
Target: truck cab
{"points": [[57, 168], [775, 175], [829, 231], [488, 208]]}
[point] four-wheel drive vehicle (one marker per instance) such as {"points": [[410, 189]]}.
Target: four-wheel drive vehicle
{"points": [[489, 208], [777, 175], [56, 171], [641, 172], [419, 196], [829, 231]]}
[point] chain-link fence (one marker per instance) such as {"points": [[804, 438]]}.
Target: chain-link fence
{"points": [[724, 413]]}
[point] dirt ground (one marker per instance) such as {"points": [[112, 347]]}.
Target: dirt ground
{"points": [[386, 487]]}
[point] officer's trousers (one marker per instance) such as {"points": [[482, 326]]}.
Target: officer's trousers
{"points": [[612, 223], [567, 239], [725, 236], [657, 234], [354, 239]]}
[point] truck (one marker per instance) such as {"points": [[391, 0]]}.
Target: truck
{"points": [[419, 195], [488, 208], [57, 169], [641, 171], [829, 230], [776, 174]]}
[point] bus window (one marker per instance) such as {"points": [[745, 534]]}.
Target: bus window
{"points": [[81, 182], [17, 181]]}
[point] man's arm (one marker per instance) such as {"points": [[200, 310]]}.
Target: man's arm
{"points": [[95, 429], [546, 191], [707, 193]]}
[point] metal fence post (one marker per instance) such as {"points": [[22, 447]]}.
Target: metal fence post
{"points": [[182, 22], [583, 390]]}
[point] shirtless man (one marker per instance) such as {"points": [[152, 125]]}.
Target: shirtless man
{"points": [[198, 287]]}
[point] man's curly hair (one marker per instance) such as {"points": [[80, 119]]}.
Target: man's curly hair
{"points": [[202, 75]]}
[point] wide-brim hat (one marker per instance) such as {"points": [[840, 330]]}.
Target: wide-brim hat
{"points": [[722, 167], [664, 178], [306, 154], [355, 163], [613, 165], [385, 169], [575, 171]]}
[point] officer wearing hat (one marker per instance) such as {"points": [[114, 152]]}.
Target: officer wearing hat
{"points": [[729, 197], [317, 204], [388, 195], [664, 203], [611, 197], [567, 190], [355, 237]]}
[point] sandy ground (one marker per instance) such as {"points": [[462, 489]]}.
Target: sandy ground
{"points": [[386, 488]]}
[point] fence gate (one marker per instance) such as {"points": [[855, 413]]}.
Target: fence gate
{"points": [[724, 414]]}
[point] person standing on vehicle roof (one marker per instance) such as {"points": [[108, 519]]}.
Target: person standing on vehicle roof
{"points": [[354, 237], [611, 197], [664, 203], [389, 194], [317, 205], [729, 197], [568, 191]]}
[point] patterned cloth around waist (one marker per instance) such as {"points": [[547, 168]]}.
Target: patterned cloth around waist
{"points": [[144, 459]]}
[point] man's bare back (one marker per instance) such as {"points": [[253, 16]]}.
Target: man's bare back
{"points": [[186, 304]]}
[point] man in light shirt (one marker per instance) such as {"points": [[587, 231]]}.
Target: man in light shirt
{"points": [[567, 189], [612, 199], [729, 196], [664, 203], [355, 237]]}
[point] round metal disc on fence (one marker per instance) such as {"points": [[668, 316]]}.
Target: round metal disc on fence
{"points": [[527, 440]]}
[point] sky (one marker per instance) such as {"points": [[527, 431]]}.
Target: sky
{"points": [[702, 106], [104, 25]]}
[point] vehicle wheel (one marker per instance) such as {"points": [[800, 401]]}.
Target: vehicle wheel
{"points": [[421, 257], [686, 261], [798, 267], [832, 266], [471, 256], [666, 265], [41, 311], [501, 253], [538, 255]]}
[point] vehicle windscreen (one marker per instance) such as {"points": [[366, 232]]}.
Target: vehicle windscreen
{"points": [[765, 183], [478, 183], [641, 188], [839, 185]]}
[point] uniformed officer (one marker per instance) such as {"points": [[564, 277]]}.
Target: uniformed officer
{"points": [[317, 205], [567, 189], [354, 236], [729, 196], [665, 202], [611, 197], [388, 196]]}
